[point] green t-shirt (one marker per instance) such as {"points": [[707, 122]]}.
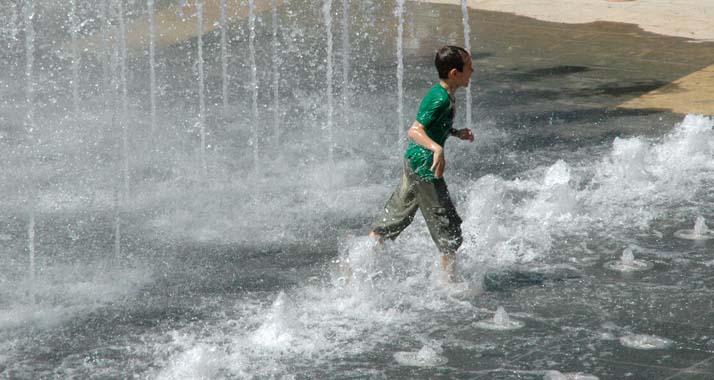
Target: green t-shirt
{"points": [[436, 114]]}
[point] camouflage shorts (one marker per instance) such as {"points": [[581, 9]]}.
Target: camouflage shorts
{"points": [[432, 198]]}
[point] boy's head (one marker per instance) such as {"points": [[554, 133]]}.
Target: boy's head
{"points": [[450, 58]]}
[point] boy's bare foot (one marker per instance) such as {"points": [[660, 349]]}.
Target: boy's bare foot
{"points": [[376, 236], [448, 266], [344, 271]]}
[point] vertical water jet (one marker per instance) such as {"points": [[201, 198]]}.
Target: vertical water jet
{"points": [[28, 13], [276, 74], [327, 15], [253, 83], [467, 46], [152, 64], [74, 29], [201, 85], [699, 232], [400, 72], [106, 51], [224, 57], [346, 61], [124, 95]]}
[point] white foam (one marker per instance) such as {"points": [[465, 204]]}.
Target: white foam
{"points": [[555, 198], [275, 332], [493, 229], [645, 342], [316, 324], [198, 363], [556, 375], [357, 260], [638, 180], [426, 357], [641, 178], [505, 221]]}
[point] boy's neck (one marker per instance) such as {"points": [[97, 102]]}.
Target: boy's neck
{"points": [[448, 86]]}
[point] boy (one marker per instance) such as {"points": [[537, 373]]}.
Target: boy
{"points": [[422, 185]]}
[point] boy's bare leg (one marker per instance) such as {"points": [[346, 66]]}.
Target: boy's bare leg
{"points": [[448, 266], [344, 267]]}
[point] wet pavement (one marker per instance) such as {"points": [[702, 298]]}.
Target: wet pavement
{"points": [[206, 257], [575, 84]]}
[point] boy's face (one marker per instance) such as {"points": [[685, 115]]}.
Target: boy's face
{"points": [[462, 77]]}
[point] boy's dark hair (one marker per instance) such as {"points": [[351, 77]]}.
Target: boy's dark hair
{"points": [[449, 57]]}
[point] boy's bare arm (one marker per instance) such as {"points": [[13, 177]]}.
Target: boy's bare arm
{"points": [[418, 134]]}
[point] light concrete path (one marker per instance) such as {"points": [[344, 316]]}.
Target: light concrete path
{"points": [[681, 18], [691, 92]]}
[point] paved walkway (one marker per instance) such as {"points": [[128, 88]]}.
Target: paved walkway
{"points": [[670, 43], [681, 18]]}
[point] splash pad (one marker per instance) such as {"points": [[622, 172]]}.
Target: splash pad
{"points": [[210, 304]]}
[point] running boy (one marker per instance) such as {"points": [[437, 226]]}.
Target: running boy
{"points": [[422, 185]]}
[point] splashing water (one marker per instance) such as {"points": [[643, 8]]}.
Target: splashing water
{"points": [[627, 263], [275, 331], [645, 342], [427, 356], [501, 318], [700, 227], [357, 262], [287, 315], [556, 375], [501, 321], [700, 231], [628, 257], [200, 362]]}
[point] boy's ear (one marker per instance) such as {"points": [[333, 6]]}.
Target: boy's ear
{"points": [[452, 72]]}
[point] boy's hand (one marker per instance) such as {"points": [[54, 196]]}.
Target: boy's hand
{"points": [[439, 163], [465, 134]]}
